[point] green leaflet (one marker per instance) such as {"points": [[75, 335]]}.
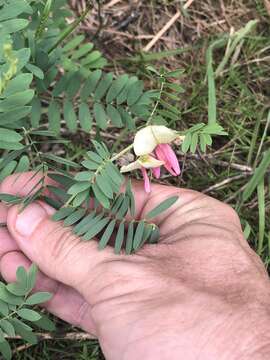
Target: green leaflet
{"points": [[116, 87], [119, 238], [70, 115], [85, 117], [100, 115], [165, 205], [106, 235], [114, 116]]}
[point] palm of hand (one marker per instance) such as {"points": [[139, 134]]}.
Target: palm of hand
{"points": [[185, 285]]}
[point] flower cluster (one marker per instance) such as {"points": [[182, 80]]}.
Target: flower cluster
{"points": [[153, 150]]}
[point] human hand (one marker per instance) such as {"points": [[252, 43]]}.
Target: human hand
{"points": [[201, 293]]}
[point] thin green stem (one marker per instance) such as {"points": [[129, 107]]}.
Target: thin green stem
{"points": [[71, 28], [156, 104], [121, 153]]}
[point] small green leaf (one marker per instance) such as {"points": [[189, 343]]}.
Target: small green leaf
{"points": [[45, 323], [90, 165], [134, 93], [23, 330], [79, 187], [28, 314], [54, 117], [10, 199], [129, 242], [138, 237], [60, 160], [116, 87], [103, 86], [95, 229], [9, 298], [100, 116], [154, 236], [174, 74], [119, 238], [10, 136], [36, 71], [84, 176], [85, 117], [7, 327], [70, 116], [101, 197], [106, 235], [32, 277], [38, 298], [4, 310], [114, 116], [90, 84], [104, 185], [62, 213], [186, 143], [17, 289], [14, 25], [194, 143], [163, 206], [5, 350], [74, 217]]}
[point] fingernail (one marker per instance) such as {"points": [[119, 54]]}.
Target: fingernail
{"points": [[28, 220]]}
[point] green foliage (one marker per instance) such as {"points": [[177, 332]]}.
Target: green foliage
{"points": [[55, 85], [17, 316]]}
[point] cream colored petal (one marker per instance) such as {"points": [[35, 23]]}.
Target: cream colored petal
{"points": [[144, 141], [130, 167], [149, 137], [149, 162], [163, 134]]}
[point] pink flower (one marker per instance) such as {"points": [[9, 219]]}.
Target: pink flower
{"points": [[151, 145], [165, 153]]}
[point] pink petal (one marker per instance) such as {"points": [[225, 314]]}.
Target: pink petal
{"points": [[147, 186], [165, 153], [156, 172]]}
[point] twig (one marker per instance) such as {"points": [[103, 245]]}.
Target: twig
{"points": [[166, 27], [225, 182], [111, 3], [100, 20], [65, 336], [242, 168]]}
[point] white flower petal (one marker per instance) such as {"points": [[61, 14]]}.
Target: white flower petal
{"points": [[149, 137], [130, 167], [144, 141], [149, 162]]}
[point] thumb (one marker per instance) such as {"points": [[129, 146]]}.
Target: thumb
{"points": [[56, 251]]}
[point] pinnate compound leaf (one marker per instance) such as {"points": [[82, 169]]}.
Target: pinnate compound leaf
{"points": [[163, 206]]}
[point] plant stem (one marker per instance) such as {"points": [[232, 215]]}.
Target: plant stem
{"points": [[156, 104], [121, 153], [71, 28]]}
